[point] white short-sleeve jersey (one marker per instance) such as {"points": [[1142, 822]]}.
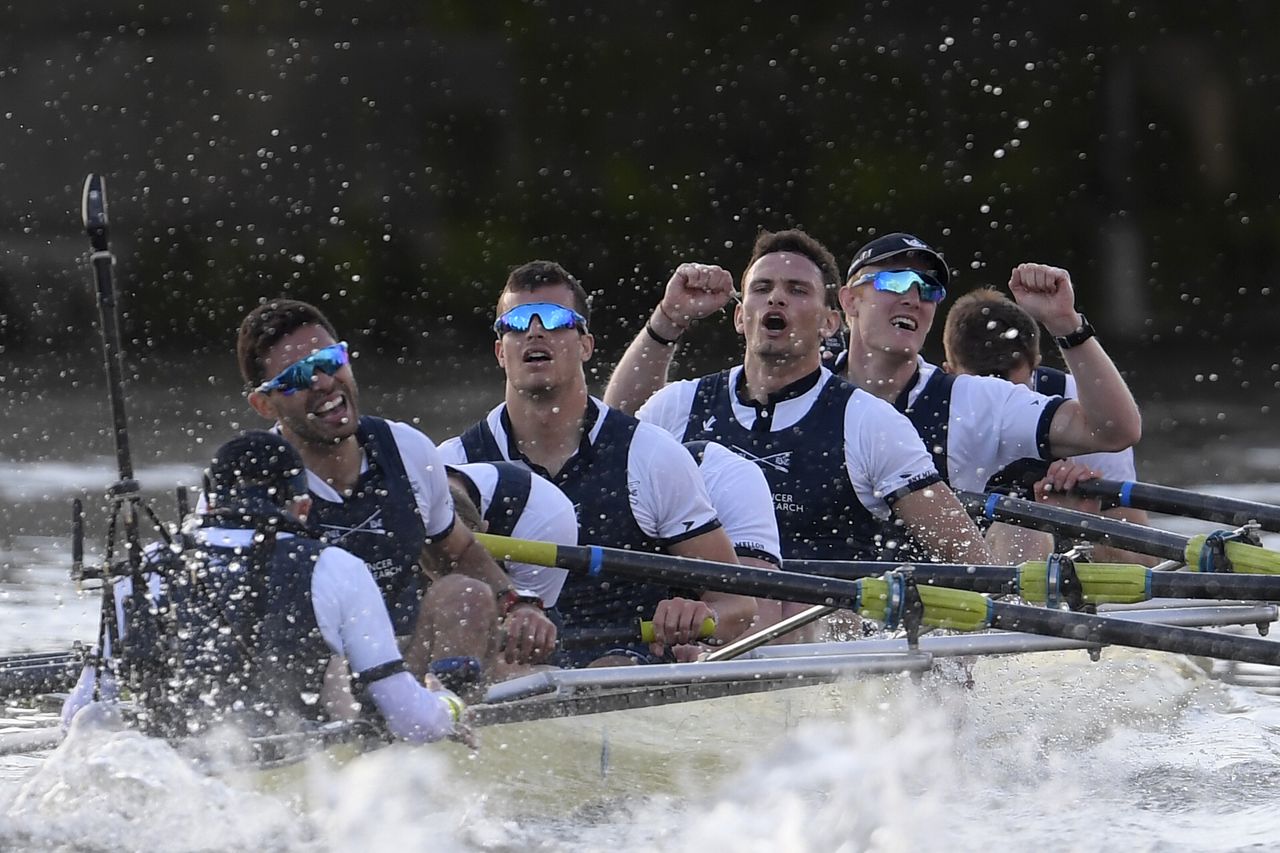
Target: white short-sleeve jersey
{"points": [[665, 490], [742, 500], [547, 516], [992, 422], [884, 457]]}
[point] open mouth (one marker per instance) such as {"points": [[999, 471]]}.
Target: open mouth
{"points": [[329, 407], [901, 322], [535, 355], [774, 322]]}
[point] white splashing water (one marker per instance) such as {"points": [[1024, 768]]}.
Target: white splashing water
{"points": [[1137, 752]]}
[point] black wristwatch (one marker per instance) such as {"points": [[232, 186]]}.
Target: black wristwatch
{"points": [[1076, 338]]}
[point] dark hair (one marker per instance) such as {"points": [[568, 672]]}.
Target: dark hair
{"points": [[265, 325], [989, 334], [800, 243], [256, 465], [535, 275]]}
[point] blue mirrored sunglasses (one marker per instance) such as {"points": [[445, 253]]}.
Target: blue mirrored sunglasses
{"points": [[900, 281], [298, 376], [551, 316]]}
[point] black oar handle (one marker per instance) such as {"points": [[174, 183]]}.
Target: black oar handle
{"points": [[1142, 635], [1171, 501], [1093, 528]]}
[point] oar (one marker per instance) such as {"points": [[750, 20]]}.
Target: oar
{"points": [[1100, 583], [39, 672], [885, 600], [584, 638], [1202, 552], [1171, 501]]}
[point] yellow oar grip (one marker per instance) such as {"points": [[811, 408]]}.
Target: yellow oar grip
{"points": [[518, 550], [1102, 583], [954, 609], [707, 628], [1245, 559]]}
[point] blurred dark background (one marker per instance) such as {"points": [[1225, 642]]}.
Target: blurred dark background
{"points": [[391, 161]]}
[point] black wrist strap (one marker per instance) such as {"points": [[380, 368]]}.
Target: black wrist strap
{"points": [[648, 327], [1076, 338]]}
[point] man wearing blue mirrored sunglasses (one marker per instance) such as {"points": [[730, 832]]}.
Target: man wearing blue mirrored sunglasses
{"points": [[633, 486], [378, 490], [977, 425]]}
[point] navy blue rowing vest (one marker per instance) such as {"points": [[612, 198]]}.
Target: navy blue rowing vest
{"points": [[1049, 381], [380, 524], [596, 481], [819, 514], [930, 414], [510, 497], [246, 643]]}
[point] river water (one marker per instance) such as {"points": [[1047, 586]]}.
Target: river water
{"points": [[1135, 752]]}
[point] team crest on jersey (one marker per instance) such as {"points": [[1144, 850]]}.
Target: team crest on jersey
{"points": [[337, 532], [776, 461]]}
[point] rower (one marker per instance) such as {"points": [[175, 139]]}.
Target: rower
{"points": [[740, 495], [509, 500], [987, 334], [633, 486], [975, 425], [378, 486], [256, 608], [839, 461]]}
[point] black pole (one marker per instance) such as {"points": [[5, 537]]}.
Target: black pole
{"points": [[138, 650], [993, 580], [1171, 501], [704, 574], [1142, 635], [94, 211], [1094, 528]]}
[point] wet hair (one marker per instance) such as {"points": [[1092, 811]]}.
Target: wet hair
{"points": [[256, 465], [264, 326], [800, 243], [531, 277], [989, 334]]}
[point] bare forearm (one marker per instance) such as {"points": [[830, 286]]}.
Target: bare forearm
{"points": [[462, 554], [1010, 544], [644, 366], [935, 516], [1108, 554], [1111, 416], [734, 613]]}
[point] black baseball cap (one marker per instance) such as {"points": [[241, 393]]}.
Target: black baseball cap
{"points": [[898, 243], [256, 464]]}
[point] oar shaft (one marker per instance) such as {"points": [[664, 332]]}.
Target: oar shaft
{"points": [[1171, 501], [1164, 638], [675, 571], [1094, 528], [994, 580], [39, 677], [1228, 587]]}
